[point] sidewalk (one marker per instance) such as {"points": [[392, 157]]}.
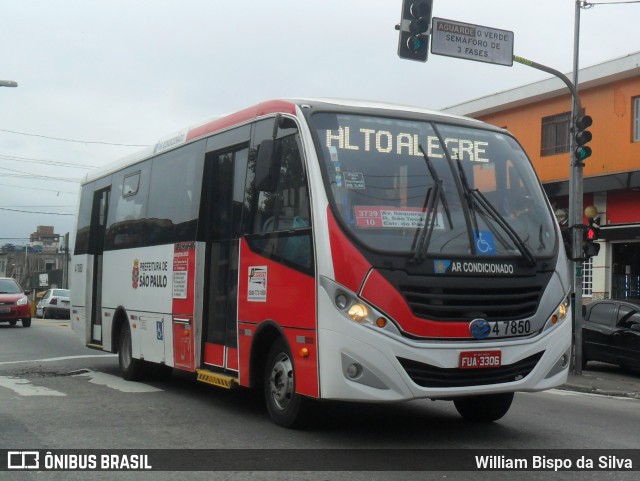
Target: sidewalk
{"points": [[606, 379]]}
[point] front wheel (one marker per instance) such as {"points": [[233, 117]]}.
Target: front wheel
{"points": [[485, 408], [131, 369], [26, 322], [285, 407]]}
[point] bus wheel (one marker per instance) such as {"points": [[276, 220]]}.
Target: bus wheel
{"points": [[485, 408], [131, 369], [284, 405]]}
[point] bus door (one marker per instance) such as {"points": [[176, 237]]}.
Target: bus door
{"points": [[98, 227], [221, 209]]}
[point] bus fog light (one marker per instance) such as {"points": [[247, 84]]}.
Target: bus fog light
{"points": [[358, 312], [341, 301], [354, 370]]}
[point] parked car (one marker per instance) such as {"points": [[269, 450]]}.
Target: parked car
{"points": [[14, 303], [54, 303], [611, 332]]}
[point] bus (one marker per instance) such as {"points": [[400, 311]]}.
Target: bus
{"points": [[328, 250]]}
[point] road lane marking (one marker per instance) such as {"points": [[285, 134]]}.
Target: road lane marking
{"points": [[115, 382], [24, 388], [53, 359]]}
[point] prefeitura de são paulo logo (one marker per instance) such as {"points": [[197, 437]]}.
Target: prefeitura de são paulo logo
{"points": [[135, 274]]}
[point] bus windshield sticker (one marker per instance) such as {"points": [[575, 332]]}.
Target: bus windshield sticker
{"points": [[257, 286], [485, 243], [393, 217], [333, 152], [353, 180]]}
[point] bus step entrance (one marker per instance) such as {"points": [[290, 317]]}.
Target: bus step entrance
{"points": [[217, 379]]}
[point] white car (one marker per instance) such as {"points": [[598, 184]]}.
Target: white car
{"points": [[54, 303]]}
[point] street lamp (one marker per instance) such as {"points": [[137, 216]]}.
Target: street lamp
{"points": [[8, 83]]}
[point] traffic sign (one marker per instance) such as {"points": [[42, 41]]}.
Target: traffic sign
{"points": [[471, 42]]}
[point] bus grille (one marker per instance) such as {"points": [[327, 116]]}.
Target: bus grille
{"points": [[459, 303], [426, 375]]}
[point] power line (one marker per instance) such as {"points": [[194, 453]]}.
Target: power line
{"points": [[46, 162], [34, 212], [32, 206], [590, 4], [36, 176], [73, 140], [36, 188]]}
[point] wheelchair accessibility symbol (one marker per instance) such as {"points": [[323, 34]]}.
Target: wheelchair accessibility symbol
{"points": [[485, 244]]}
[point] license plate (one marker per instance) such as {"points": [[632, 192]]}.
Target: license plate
{"points": [[5, 310], [480, 359]]}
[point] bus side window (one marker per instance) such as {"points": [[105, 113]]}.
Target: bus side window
{"points": [[286, 212], [125, 225], [288, 207]]}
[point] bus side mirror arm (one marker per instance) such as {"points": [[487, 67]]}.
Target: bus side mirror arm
{"points": [[267, 166]]}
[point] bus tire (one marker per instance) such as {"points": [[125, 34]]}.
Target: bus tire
{"points": [[285, 407], [485, 408], [130, 369]]}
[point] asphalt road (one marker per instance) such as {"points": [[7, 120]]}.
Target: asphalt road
{"points": [[57, 394]]}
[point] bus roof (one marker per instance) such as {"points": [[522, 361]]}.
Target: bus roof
{"points": [[218, 124]]}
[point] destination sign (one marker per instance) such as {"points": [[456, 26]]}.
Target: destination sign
{"points": [[471, 42]]}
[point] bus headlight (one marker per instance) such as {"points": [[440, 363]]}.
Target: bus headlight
{"points": [[559, 315], [341, 301], [358, 312], [563, 310], [356, 309]]}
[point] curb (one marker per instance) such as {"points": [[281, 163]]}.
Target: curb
{"points": [[601, 392]]}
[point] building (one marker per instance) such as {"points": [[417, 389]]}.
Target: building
{"points": [[539, 115], [46, 238], [41, 264]]}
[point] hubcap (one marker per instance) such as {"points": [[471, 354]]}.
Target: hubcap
{"points": [[281, 381]]}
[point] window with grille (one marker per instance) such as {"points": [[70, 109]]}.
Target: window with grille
{"points": [[555, 134], [636, 119], [587, 278]]}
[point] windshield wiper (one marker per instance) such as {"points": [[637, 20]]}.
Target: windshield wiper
{"points": [[475, 198], [480, 200], [430, 208]]}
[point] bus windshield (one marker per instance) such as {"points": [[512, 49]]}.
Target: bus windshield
{"points": [[426, 189]]}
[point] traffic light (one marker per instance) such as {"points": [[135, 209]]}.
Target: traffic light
{"points": [[414, 27], [591, 234], [582, 136]]}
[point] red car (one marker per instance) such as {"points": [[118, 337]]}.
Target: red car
{"points": [[14, 304]]}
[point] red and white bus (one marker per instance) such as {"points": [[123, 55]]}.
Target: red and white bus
{"points": [[335, 250]]}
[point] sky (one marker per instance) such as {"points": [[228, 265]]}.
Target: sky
{"points": [[99, 79]]}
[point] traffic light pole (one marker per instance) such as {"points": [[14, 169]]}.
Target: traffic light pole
{"points": [[575, 193], [576, 205]]}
